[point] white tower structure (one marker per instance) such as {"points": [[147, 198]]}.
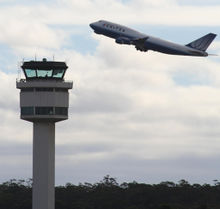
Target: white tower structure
{"points": [[44, 100]]}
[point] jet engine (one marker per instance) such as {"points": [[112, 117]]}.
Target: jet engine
{"points": [[123, 40]]}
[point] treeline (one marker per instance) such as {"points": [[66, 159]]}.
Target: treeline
{"points": [[108, 194]]}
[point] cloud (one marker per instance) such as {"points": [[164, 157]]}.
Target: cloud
{"points": [[163, 12], [190, 168], [132, 114], [152, 101]]}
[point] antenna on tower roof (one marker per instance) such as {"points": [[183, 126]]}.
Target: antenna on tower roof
{"points": [[19, 71]]}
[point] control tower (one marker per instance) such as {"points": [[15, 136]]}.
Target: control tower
{"points": [[44, 100]]}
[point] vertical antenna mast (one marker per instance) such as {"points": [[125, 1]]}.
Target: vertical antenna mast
{"points": [[19, 71]]}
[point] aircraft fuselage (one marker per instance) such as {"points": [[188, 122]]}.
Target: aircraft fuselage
{"points": [[143, 42]]}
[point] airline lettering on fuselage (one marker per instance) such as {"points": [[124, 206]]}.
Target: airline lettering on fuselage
{"points": [[114, 27]]}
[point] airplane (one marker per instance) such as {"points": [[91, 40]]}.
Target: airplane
{"points": [[143, 42]]}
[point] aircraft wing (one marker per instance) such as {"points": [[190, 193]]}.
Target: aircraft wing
{"points": [[140, 43]]}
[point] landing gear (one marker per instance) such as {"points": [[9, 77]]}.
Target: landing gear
{"points": [[142, 49]]}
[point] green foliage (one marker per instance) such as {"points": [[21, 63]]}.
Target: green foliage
{"points": [[109, 194], [15, 194], [164, 206]]}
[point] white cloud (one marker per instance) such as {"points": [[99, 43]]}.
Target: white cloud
{"points": [[163, 12], [126, 106], [159, 118]]}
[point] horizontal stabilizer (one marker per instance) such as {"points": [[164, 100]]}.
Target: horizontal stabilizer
{"points": [[202, 43]]}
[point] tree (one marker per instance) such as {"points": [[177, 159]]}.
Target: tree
{"points": [[109, 181], [164, 206]]}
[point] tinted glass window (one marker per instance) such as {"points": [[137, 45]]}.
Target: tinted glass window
{"points": [[44, 73], [58, 73], [39, 73], [27, 89], [31, 73], [27, 110], [61, 111], [44, 111]]}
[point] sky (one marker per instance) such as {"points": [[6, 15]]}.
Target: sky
{"points": [[145, 117]]}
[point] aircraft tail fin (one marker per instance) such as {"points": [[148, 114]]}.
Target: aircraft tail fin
{"points": [[203, 42]]}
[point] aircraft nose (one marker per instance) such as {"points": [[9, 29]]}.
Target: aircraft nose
{"points": [[92, 25]]}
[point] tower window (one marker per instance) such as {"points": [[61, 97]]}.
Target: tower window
{"points": [[58, 73], [44, 73], [30, 73], [27, 110], [61, 111], [44, 111], [41, 73], [27, 89]]}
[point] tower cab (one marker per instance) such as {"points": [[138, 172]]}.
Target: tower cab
{"points": [[44, 69]]}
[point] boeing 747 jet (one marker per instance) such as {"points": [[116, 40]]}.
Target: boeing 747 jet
{"points": [[143, 42]]}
